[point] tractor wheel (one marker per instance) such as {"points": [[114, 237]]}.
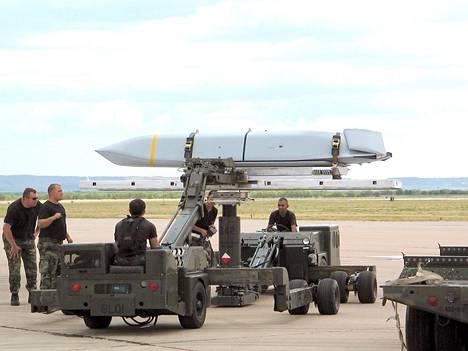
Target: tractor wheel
{"points": [[199, 303], [295, 284], [341, 278], [97, 322], [367, 287], [328, 296]]}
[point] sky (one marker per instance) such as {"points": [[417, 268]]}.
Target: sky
{"points": [[79, 75]]}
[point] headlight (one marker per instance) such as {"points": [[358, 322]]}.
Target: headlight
{"points": [[306, 241]]}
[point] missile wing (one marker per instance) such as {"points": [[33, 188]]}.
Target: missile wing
{"points": [[252, 149]]}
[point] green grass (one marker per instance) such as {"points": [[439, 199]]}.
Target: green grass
{"points": [[323, 209]]}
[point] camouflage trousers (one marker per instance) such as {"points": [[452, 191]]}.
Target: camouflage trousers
{"points": [[28, 255], [206, 245], [49, 263]]}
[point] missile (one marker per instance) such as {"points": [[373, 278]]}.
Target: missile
{"points": [[252, 149]]}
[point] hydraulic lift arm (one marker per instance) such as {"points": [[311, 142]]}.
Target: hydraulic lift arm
{"points": [[198, 174]]}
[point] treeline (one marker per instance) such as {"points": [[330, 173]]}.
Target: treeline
{"points": [[355, 193], [253, 194]]}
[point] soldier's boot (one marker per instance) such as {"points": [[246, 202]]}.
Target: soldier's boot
{"points": [[14, 299]]}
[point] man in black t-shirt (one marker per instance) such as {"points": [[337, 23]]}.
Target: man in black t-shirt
{"points": [[53, 225], [204, 228], [210, 212], [19, 233], [284, 219], [131, 235]]}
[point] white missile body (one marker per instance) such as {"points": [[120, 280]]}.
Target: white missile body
{"points": [[251, 149]]}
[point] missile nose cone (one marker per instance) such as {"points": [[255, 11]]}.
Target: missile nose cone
{"points": [[104, 152], [122, 154], [111, 155]]}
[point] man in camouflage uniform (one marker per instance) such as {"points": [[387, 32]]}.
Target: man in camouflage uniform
{"points": [[18, 241], [52, 222]]}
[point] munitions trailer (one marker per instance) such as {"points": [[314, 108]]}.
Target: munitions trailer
{"points": [[435, 291]]}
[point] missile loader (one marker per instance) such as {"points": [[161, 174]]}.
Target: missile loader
{"points": [[176, 278]]}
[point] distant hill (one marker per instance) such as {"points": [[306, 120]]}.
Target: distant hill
{"points": [[412, 183], [16, 183]]}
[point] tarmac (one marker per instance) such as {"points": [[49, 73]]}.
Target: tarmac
{"points": [[255, 327]]}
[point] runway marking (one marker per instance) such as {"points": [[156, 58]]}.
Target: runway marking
{"points": [[390, 258], [93, 337]]}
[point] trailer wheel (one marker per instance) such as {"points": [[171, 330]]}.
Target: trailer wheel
{"points": [[419, 330], [328, 296], [295, 284], [449, 334], [197, 318], [341, 278], [367, 287], [97, 322]]}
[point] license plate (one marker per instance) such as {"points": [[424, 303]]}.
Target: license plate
{"points": [[120, 289]]}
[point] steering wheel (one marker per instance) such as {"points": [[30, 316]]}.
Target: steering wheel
{"points": [[275, 227]]}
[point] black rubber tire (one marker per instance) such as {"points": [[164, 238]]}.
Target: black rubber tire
{"points": [[419, 330], [199, 301], [367, 287], [97, 322], [295, 284], [341, 278], [328, 296], [449, 334]]}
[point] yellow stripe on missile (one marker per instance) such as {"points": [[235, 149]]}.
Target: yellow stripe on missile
{"points": [[153, 148]]}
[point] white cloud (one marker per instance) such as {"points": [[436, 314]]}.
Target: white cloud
{"points": [[180, 53]]}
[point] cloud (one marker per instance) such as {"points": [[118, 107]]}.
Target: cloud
{"points": [[397, 67], [185, 53]]}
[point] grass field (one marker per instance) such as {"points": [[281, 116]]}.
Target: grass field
{"points": [[410, 209]]}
